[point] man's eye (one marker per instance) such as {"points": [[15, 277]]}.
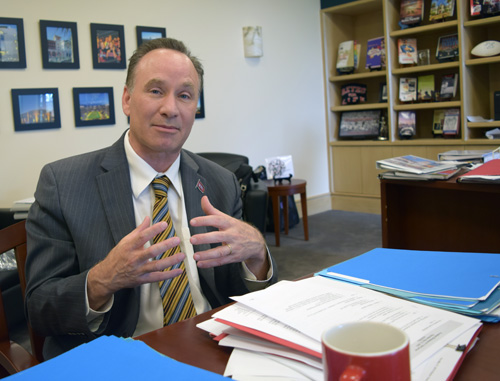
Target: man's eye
{"points": [[185, 96], [155, 91]]}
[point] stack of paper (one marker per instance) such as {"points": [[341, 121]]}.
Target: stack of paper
{"points": [[470, 156], [467, 283], [282, 325], [21, 208], [488, 172], [417, 168], [112, 358]]}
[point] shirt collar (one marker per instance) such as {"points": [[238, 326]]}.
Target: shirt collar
{"points": [[142, 174]]}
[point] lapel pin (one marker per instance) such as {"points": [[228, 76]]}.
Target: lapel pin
{"points": [[200, 186]]}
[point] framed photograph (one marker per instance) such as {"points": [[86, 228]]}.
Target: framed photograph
{"points": [[59, 45], [383, 92], [108, 46], [35, 109], [353, 93], [200, 110], [146, 33], [447, 48], [360, 124], [93, 106], [12, 48]]}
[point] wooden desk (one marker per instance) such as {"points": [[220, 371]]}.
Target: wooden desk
{"points": [[282, 191], [440, 216], [184, 342]]}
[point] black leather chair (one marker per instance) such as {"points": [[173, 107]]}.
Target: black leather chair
{"points": [[255, 199]]}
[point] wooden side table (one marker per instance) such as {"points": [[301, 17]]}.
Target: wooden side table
{"points": [[277, 191]]}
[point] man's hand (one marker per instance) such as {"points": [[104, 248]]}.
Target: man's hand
{"points": [[240, 242], [129, 264]]}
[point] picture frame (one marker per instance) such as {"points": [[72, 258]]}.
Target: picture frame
{"points": [[59, 41], [35, 109], [146, 33], [360, 124], [200, 110], [93, 106], [12, 43], [108, 46]]}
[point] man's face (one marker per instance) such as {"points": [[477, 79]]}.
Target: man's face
{"points": [[161, 106]]}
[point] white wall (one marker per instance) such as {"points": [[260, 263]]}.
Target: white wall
{"points": [[257, 107]]}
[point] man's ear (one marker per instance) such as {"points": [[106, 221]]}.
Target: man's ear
{"points": [[126, 101]]}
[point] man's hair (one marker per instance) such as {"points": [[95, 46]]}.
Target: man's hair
{"points": [[161, 43]]}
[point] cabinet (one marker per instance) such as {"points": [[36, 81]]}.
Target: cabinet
{"points": [[354, 183]]}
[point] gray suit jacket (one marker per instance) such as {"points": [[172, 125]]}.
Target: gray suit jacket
{"points": [[83, 208]]}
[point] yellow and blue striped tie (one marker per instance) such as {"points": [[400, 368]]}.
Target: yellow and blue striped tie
{"points": [[175, 293]]}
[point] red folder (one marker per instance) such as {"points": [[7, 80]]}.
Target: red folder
{"points": [[490, 168]]}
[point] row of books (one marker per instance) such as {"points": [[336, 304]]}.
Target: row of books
{"points": [[412, 11], [446, 123], [349, 53], [423, 88], [446, 50]]}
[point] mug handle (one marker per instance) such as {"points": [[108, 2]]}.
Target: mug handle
{"points": [[352, 373]]}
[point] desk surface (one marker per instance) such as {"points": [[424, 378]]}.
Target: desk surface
{"points": [[185, 342]]}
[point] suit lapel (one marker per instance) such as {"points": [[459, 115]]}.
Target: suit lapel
{"points": [[116, 192]]}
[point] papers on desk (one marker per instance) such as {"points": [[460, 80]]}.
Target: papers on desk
{"points": [[466, 283], [287, 319], [112, 358]]}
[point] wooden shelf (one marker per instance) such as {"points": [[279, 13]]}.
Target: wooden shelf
{"points": [[358, 76], [360, 107], [432, 67], [482, 61], [424, 29], [483, 124], [482, 22], [427, 106]]}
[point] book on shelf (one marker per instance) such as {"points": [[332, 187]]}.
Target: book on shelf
{"points": [[426, 87], [490, 8], [353, 93], [441, 9], [475, 7], [451, 123], [375, 53], [448, 86], [437, 122], [441, 175], [407, 89], [348, 56], [414, 164], [407, 51], [411, 12], [447, 47], [407, 124], [470, 156]]}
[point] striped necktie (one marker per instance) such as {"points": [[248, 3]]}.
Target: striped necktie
{"points": [[175, 293]]}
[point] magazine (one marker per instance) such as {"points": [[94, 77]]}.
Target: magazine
{"points": [[407, 124], [448, 86], [414, 164], [447, 48], [375, 53], [441, 9], [411, 12], [407, 89], [407, 51], [426, 87]]}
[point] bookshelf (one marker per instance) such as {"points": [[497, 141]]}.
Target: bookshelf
{"points": [[353, 177]]}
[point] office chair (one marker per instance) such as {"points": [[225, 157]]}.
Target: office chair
{"points": [[13, 357]]}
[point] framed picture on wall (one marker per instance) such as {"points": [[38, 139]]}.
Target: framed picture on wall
{"points": [[200, 109], [146, 33], [35, 109], [59, 45], [108, 46], [93, 106], [12, 46]]}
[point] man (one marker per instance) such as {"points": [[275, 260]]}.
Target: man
{"points": [[92, 267]]}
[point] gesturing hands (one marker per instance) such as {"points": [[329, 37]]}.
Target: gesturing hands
{"points": [[129, 264], [241, 242]]}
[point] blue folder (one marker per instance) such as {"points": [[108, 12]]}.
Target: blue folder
{"points": [[113, 358], [455, 275]]}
